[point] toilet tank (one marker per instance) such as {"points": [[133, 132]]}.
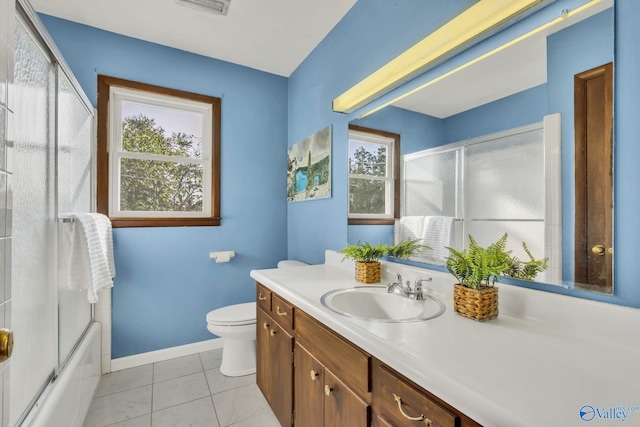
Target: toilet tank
{"points": [[287, 263]]}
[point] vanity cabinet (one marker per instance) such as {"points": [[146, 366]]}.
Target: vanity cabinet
{"points": [[313, 377], [331, 378], [274, 354]]}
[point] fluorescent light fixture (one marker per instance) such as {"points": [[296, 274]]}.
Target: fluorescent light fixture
{"points": [[471, 26], [217, 7], [591, 8]]}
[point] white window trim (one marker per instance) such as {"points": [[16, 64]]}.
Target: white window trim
{"points": [[117, 95], [388, 179]]}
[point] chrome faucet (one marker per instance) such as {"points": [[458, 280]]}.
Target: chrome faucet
{"points": [[397, 287], [405, 290]]}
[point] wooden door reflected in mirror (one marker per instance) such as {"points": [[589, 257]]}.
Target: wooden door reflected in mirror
{"points": [[594, 178]]}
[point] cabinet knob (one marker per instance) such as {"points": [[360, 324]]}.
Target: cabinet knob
{"points": [[398, 400], [261, 298], [265, 325], [6, 344], [273, 333], [280, 313], [327, 390], [313, 375]]}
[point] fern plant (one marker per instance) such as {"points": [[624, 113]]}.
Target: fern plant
{"points": [[365, 252], [406, 248], [479, 267], [526, 270]]}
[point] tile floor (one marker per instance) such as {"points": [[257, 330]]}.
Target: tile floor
{"points": [[187, 391]]}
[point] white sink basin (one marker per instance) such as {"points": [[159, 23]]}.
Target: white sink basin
{"points": [[376, 304]]}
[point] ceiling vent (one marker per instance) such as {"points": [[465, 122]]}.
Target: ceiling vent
{"points": [[217, 7]]}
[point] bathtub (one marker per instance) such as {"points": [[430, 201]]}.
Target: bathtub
{"points": [[65, 402]]}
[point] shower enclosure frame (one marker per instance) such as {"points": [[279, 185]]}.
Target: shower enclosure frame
{"points": [[63, 78]]}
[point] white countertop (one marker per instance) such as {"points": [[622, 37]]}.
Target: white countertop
{"points": [[544, 358]]}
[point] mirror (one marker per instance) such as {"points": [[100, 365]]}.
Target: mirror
{"points": [[506, 144]]}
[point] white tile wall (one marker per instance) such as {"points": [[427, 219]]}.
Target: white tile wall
{"points": [[7, 14]]}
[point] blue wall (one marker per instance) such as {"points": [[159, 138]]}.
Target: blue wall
{"points": [[330, 70], [520, 109], [165, 282]]}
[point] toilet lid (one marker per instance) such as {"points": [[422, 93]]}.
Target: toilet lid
{"points": [[238, 314]]}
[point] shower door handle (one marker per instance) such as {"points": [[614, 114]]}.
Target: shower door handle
{"points": [[6, 344]]}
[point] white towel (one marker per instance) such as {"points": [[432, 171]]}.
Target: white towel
{"points": [[408, 227], [438, 235], [87, 261]]}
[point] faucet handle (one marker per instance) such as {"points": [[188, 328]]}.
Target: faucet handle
{"points": [[419, 280]]}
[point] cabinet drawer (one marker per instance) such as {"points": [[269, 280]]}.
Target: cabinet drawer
{"points": [[348, 362], [282, 312], [263, 297], [402, 405]]}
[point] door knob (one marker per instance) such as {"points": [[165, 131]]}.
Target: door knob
{"points": [[6, 344], [599, 250]]}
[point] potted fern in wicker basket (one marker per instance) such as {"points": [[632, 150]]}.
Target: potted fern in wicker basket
{"points": [[367, 257], [478, 269]]}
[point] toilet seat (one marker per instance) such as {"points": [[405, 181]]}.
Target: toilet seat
{"points": [[233, 315]]}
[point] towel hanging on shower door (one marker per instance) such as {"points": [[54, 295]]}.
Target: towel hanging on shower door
{"points": [[87, 254]]}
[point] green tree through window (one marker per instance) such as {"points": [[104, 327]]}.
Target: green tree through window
{"points": [[367, 195], [154, 185]]}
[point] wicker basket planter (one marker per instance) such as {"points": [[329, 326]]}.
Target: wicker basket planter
{"points": [[368, 272], [476, 304]]}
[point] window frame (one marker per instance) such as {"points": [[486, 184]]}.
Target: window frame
{"points": [[394, 177], [111, 91]]}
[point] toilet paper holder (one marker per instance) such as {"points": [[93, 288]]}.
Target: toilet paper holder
{"points": [[222, 256]]}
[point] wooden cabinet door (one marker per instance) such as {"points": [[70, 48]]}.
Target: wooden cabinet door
{"points": [[264, 371], [380, 421], [308, 389], [281, 348], [342, 407]]}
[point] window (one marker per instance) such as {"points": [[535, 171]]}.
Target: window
{"points": [[158, 155], [374, 158]]}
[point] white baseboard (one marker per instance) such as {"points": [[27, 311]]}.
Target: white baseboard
{"points": [[164, 354]]}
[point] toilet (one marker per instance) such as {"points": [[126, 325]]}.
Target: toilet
{"points": [[236, 324]]}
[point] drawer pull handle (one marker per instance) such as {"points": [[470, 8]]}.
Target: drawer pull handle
{"points": [[314, 375], [261, 298], [398, 400], [273, 333], [280, 313], [327, 390], [265, 325]]}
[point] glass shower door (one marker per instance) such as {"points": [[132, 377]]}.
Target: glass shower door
{"points": [[34, 317], [75, 127]]}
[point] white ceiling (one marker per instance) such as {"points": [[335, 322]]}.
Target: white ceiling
{"points": [[512, 70], [269, 35]]}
